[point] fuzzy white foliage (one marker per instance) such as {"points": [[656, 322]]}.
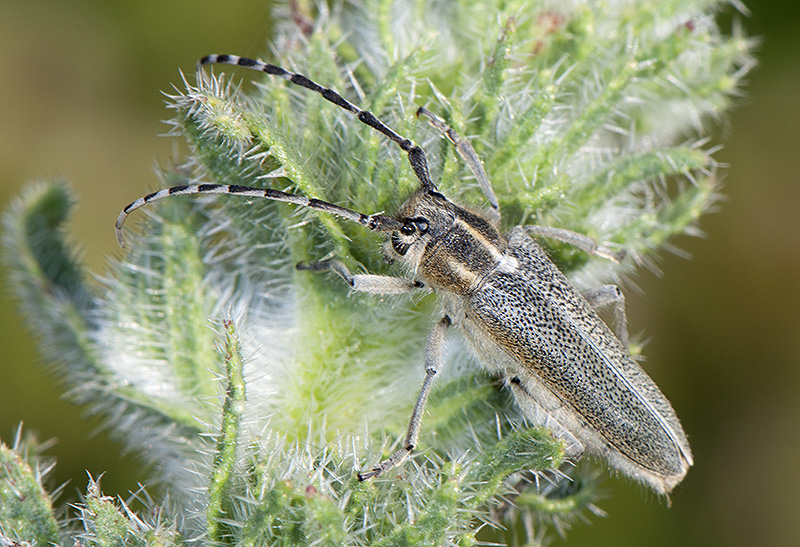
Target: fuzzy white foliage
{"points": [[588, 116], [247, 249]]}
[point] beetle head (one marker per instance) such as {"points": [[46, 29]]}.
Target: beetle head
{"points": [[424, 218]]}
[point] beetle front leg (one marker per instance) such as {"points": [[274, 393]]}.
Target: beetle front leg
{"points": [[433, 363], [368, 283], [467, 153]]}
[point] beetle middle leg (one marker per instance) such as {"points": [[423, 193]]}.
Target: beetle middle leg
{"points": [[601, 296], [581, 241], [433, 363], [382, 284]]}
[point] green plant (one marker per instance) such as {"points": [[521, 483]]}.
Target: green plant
{"points": [[259, 391]]}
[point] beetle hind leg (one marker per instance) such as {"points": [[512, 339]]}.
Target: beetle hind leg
{"points": [[541, 408]]}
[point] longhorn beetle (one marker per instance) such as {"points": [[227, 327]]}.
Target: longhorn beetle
{"points": [[523, 318]]}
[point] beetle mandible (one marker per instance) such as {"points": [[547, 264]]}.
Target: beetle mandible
{"points": [[522, 317]]}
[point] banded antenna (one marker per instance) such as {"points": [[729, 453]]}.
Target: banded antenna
{"points": [[416, 155], [377, 222], [381, 223]]}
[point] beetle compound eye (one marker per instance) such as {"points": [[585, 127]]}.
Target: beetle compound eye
{"points": [[399, 247], [408, 227]]}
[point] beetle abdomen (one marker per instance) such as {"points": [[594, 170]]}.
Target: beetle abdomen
{"points": [[552, 339]]}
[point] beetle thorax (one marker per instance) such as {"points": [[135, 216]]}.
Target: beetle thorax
{"points": [[445, 246]]}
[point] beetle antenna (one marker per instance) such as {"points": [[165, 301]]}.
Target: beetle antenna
{"points": [[377, 222], [416, 155]]}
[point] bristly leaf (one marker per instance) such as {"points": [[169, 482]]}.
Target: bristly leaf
{"points": [[588, 116], [26, 509], [227, 443]]}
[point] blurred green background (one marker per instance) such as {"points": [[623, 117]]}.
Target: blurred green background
{"points": [[80, 86]]}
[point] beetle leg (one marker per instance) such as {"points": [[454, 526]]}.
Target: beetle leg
{"points": [[581, 241], [611, 294], [433, 363], [467, 153], [373, 284]]}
